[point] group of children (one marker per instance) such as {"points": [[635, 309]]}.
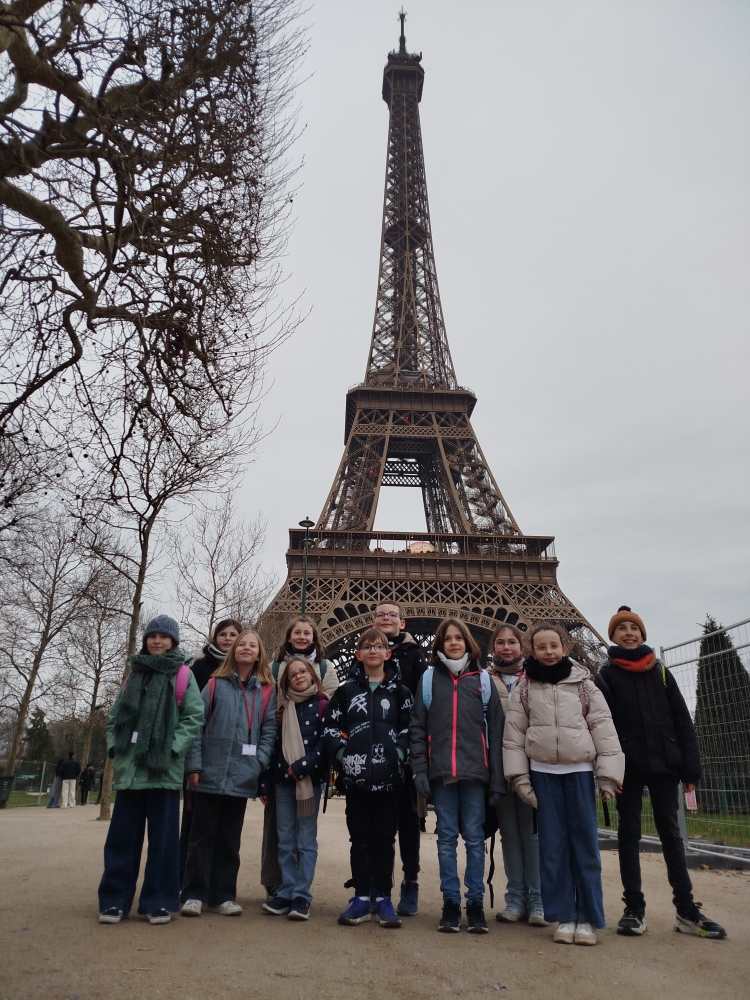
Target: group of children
{"points": [[531, 740]]}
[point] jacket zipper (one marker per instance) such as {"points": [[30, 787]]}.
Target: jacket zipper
{"points": [[484, 750], [557, 730], [455, 727], [429, 749]]}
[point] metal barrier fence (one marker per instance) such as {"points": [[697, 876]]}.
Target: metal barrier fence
{"points": [[33, 777], [713, 672]]}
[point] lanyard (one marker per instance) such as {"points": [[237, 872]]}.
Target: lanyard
{"points": [[247, 710]]}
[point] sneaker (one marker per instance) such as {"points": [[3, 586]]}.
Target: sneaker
{"points": [[632, 923], [227, 909], [408, 903], [565, 933], [475, 919], [357, 912], [277, 907], [450, 922], [272, 892], [386, 914], [111, 916], [510, 915], [191, 908], [159, 917], [536, 919], [692, 921], [585, 934], [299, 910]]}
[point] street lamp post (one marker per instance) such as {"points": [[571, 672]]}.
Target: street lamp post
{"points": [[306, 524]]}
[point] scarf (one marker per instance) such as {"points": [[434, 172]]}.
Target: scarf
{"points": [[455, 666], [147, 707], [637, 660], [548, 675], [308, 652], [499, 666], [214, 652], [293, 748]]}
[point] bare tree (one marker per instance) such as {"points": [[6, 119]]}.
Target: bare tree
{"points": [[217, 572], [46, 582]]}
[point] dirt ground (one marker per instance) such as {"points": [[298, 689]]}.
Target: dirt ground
{"points": [[53, 946]]}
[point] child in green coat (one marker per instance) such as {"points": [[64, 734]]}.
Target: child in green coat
{"points": [[156, 716]]}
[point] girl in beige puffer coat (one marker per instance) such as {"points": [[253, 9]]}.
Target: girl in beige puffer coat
{"points": [[558, 734]]}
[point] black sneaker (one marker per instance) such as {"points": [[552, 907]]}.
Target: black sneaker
{"points": [[692, 921], [159, 917], [111, 916], [450, 922], [632, 923], [299, 910], [272, 892], [475, 920]]}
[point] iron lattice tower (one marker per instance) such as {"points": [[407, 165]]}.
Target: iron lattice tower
{"points": [[408, 424]]}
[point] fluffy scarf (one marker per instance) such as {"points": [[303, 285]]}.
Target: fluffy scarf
{"points": [[308, 652], [637, 660], [455, 666], [293, 748], [214, 652], [147, 707], [548, 675], [507, 666]]}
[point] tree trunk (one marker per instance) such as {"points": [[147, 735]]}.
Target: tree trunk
{"points": [[105, 812], [15, 741]]}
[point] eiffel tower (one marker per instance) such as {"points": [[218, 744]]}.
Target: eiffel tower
{"points": [[409, 424]]}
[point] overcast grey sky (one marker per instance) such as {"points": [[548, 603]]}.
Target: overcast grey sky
{"points": [[588, 165]]}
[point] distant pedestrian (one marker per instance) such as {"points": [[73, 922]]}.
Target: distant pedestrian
{"points": [[69, 771], [558, 733], [661, 749], [87, 782], [153, 721], [55, 789], [523, 895]]}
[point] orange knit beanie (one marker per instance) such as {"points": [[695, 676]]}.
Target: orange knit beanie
{"points": [[624, 614]]}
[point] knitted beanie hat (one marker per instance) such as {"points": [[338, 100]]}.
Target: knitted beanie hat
{"points": [[624, 614], [166, 625]]}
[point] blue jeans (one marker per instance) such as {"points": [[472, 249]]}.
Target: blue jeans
{"points": [[520, 853], [298, 844], [124, 844], [460, 808], [571, 868]]}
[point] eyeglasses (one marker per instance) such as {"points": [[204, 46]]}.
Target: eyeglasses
{"points": [[378, 648], [388, 614]]}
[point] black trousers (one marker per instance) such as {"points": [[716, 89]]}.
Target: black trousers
{"points": [[213, 855], [408, 827], [122, 851], [270, 873], [188, 807], [372, 821], [663, 790], [84, 795]]}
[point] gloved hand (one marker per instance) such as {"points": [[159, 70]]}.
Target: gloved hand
{"points": [[608, 787], [522, 788], [422, 784]]}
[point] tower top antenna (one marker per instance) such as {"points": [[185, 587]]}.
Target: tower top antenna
{"points": [[402, 39]]}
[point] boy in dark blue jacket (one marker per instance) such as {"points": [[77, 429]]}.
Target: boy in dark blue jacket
{"points": [[367, 731]]}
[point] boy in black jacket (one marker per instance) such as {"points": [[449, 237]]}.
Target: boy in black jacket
{"points": [[409, 657], [367, 730], [661, 749]]}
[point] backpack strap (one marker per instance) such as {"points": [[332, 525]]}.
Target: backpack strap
{"points": [[663, 673], [486, 682], [181, 682], [211, 693], [275, 669], [323, 666], [266, 692], [322, 706], [523, 692], [427, 687], [585, 698]]}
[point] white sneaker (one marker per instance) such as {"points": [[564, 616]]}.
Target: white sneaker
{"points": [[159, 917], [191, 908], [585, 934], [227, 909], [565, 933], [536, 919], [510, 915], [111, 916]]}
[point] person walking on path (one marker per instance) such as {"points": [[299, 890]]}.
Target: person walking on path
{"points": [[223, 766], [55, 789], [301, 639], [456, 734], [87, 782], [155, 718], [409, 657], [297, 770], [69, 771], [214, 655], [661, 749], [367, 730], [523, 895], [558, 733]]}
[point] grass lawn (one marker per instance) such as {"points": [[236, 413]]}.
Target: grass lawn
{"points": [[726, 828]]}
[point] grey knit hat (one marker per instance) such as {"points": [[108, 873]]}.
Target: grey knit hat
{"points": [[166, 625]]}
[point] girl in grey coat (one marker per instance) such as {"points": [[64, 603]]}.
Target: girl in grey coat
{"points": [[223, 767]]}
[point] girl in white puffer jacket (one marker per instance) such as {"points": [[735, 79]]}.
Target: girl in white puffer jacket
{"points": [[558, 734]]}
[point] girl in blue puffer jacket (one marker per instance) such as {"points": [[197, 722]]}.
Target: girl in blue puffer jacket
{"points": [[223, 767], [297, 771]]}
